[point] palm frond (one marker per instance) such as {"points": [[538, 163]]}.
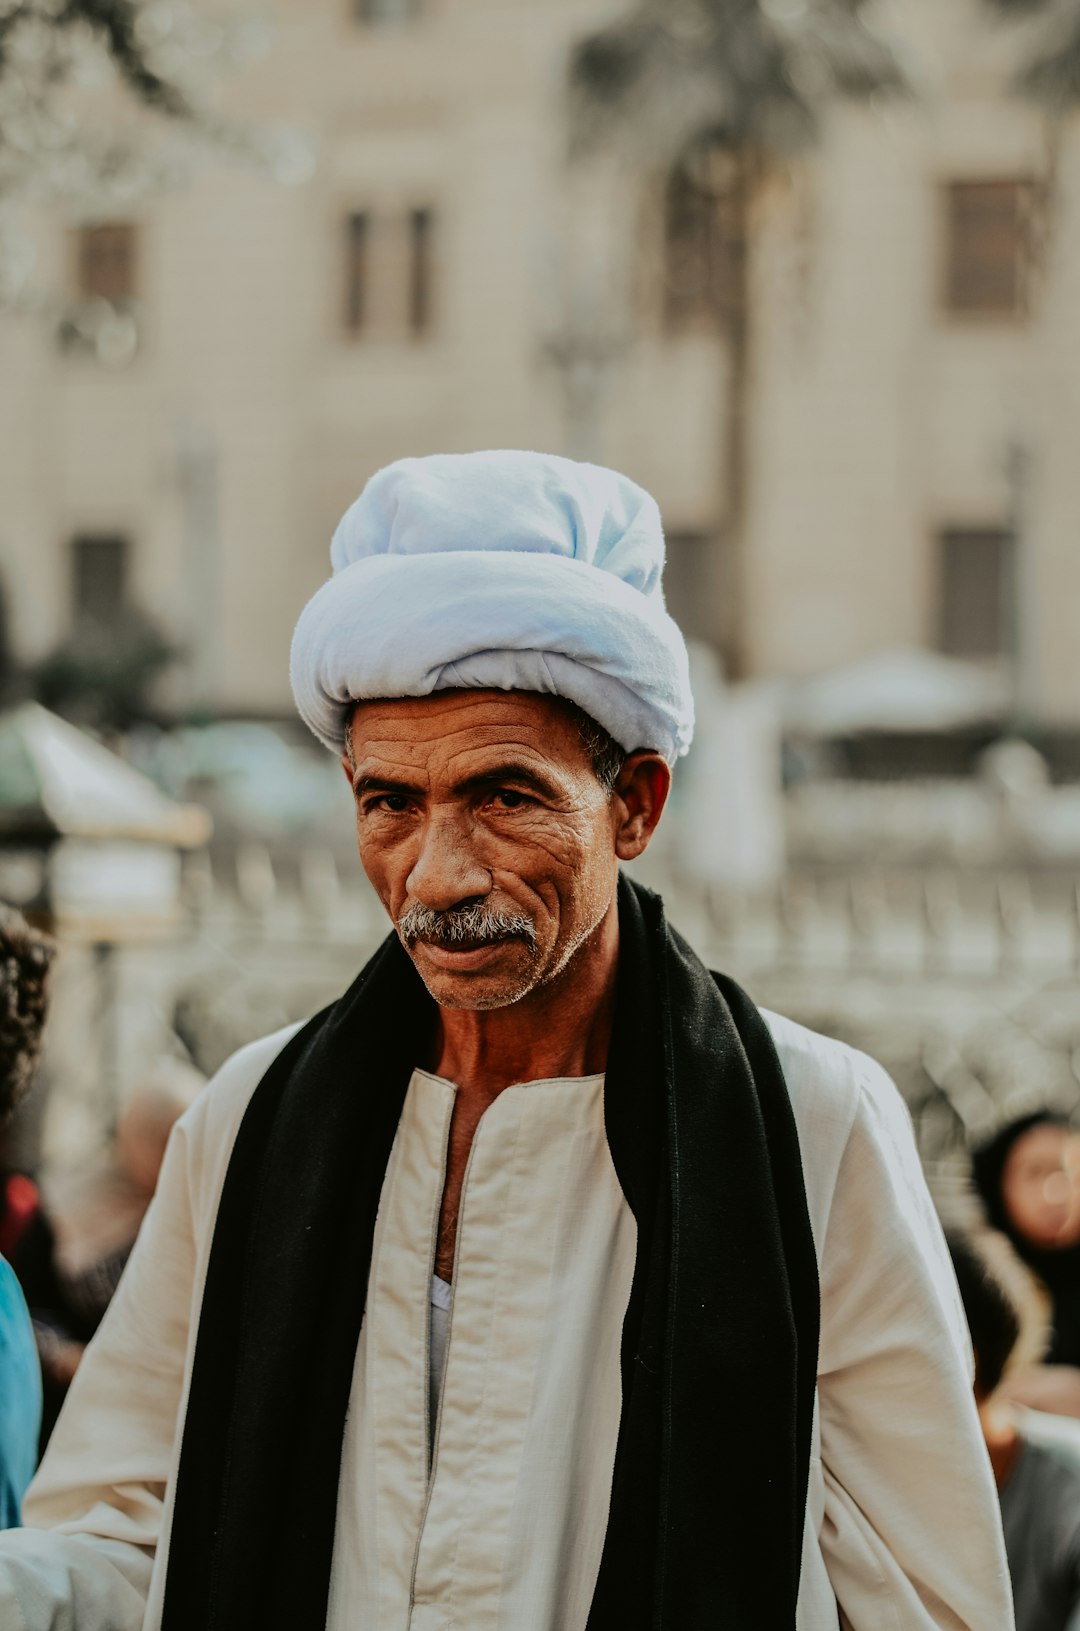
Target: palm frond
{"points": [[607, 66], [1053, 77], [114, 22], [656, 81], [736, 68], [859, 61], [1017, 8]]}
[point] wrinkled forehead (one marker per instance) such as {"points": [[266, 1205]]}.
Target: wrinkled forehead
{"points": [[451, 723]]}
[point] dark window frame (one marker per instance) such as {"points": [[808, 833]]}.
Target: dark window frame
{"points": [[107, 255], [419, 318], [357, 251], [976, 602], [100, 578], [389, 272], [989, 248]]}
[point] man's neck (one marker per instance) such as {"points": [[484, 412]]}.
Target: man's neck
{"points": [[561, 1029]]}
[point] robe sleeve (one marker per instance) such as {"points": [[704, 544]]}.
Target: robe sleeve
{"points": [[94, 1510], [911, 1535]]}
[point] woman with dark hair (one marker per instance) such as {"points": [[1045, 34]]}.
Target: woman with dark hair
{"points": [[1038, 1476], [1028, 1179], [25, 956]]}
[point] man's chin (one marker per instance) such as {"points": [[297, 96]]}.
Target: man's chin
{"points": [[494, 976]]}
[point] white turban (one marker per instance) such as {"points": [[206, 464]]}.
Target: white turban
{"points": [[514, 571]]}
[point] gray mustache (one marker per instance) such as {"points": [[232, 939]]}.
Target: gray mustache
{"points": [[464, 926]]}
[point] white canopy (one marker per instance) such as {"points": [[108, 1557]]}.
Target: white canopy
{"points": [[904, 689], [81, 789]]}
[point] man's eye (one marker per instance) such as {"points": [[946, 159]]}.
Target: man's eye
{"points": [[394, 802], [507, 798]]}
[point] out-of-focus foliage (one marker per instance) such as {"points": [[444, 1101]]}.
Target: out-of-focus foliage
{"points": [[103, 102], [64, 131], [119, 25], [1051, 74], [677, 72], [104, 676]]}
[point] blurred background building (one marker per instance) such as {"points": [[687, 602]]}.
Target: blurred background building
{"points": [[448, 279], [807, 270]]}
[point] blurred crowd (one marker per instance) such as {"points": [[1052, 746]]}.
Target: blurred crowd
{"points": [[65, 1237]]}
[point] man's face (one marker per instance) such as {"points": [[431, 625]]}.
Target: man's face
{"points": [[483, 800]]}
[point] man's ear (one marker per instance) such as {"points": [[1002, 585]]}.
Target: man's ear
{"points": [[640, 795]]}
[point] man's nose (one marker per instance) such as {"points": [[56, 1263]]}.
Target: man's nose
{"points": [[447, 869]]}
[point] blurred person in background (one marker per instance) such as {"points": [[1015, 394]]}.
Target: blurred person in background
{"points": [[541, 1283], [28, 1242], [97, 1210], [1027, 1177], [25, 956], [1038, 1480], [82, 1242]]}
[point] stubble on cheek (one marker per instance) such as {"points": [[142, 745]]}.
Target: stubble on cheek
{"points": [[574, 901]]}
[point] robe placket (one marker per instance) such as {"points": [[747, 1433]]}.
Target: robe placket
{"points": [[540, 1209]]}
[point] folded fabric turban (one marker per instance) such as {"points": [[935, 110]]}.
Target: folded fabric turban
{"points": [[515, 571]]}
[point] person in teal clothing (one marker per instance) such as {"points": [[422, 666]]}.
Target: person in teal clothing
{"points": [[25, 956], [20, 1398]]}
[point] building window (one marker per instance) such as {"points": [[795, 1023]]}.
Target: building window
{"points": [[977, 600], [700, 589], [376, 12], [102, 318], [100, 565], [687, 581], [389, 273], [702, 246], [106, 262], [989, 243], [356, 271], [421, 232]]}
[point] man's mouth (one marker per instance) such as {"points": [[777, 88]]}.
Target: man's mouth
{"points": [[463, 955]]}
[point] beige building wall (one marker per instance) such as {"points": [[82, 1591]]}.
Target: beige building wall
{"points": [[249, 419], [879, 418]]}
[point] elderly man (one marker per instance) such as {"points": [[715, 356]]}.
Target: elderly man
{"points": [[490, 1298]]}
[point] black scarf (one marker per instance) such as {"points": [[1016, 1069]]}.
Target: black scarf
{"points": [[719, 1352]]}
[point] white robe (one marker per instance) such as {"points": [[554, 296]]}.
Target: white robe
{"points": [[902, 1528]]}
